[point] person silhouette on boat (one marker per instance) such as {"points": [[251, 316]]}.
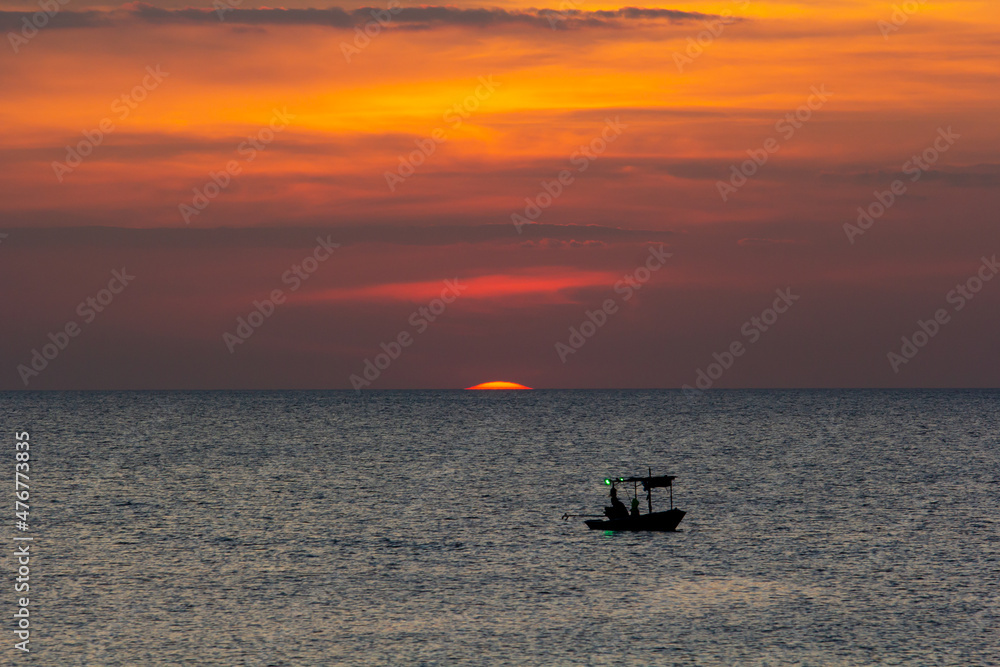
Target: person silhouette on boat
{"points": [[635, 508], [617, 509]]}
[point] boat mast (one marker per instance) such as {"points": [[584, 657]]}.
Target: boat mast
{"points": [[649, 491]]}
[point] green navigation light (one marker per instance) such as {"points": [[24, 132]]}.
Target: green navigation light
{"points": [[608, 482]]}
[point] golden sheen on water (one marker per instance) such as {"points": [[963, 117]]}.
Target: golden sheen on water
{"points": [[847, 527]]}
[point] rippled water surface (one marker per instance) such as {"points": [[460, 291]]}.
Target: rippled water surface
{"points": [[423, 528]]}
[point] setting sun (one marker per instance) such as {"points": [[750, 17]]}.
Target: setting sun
{"points": [[498, 384]]}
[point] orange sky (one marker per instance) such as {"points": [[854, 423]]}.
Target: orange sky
{"points": [[506, 102]]}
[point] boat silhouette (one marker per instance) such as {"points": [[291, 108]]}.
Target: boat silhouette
{"points": [[618, 518]]}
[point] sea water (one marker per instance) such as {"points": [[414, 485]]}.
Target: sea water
{"points": [[424, 528]]}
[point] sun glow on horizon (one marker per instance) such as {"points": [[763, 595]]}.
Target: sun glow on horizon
{"points": [[498, 384]]}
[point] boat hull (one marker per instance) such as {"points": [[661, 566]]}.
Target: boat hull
{"points": [[657, 521]]}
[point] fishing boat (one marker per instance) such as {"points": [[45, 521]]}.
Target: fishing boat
{"points": [[620, 519]]}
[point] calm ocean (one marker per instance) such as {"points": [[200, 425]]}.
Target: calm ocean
{"points": [[423, 528]]}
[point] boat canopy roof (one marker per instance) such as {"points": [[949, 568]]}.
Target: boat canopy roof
{"points": [[651, 482]]}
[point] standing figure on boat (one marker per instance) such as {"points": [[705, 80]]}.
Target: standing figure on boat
{"points": [[618, 516], [617, 509]]}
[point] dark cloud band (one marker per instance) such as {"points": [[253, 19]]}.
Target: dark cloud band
{"points": [[294, 237], [335, 17]]}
